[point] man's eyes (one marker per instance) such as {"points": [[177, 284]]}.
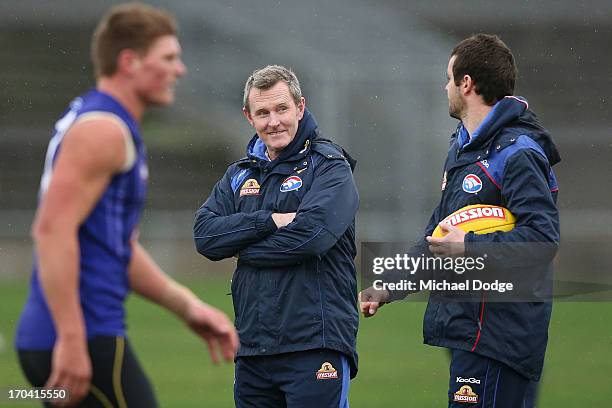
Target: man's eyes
{"points": [[280, 109]]}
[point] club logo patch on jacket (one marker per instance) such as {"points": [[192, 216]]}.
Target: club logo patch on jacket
{"points": [[465, 394], [327, 371], [290, 184], [249, 188], [472, 184]]}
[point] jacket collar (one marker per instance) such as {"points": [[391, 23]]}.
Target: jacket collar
{"points": [[505, 111], [509, 112]]}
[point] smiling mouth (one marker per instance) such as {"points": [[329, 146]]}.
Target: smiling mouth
{"points": [[278, 132]]}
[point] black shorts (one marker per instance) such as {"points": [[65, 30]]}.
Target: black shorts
{"points": [[118, 380]]}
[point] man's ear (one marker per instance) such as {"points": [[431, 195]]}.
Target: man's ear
{"points": [[301, 107], [247, 115], [467, 84], [128, 61]]}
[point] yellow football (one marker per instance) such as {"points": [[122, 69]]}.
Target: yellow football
{"points": [[479, 218]]}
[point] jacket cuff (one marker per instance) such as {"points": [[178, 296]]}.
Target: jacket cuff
{"points": [[264, 224], [396, 295]]}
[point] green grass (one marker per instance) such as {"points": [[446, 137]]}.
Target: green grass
{"points": [[396, 369]]}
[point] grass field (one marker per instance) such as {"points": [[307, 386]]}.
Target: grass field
{"points": [[396, 369]]}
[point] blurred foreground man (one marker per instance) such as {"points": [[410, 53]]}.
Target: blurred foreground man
{"points": [[287, 212], [72, 334], [499, 155]]}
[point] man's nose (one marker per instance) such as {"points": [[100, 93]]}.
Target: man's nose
{"points": [[274, 120], [181, 69]]}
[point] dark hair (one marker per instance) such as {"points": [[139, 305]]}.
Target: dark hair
{"points": [[132, 26], [489, 62]]}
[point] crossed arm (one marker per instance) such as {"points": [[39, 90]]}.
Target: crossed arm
{"points": [[263, 238]]}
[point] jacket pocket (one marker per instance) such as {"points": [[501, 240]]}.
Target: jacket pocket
{"points": [[299, 300], [458, 320]]}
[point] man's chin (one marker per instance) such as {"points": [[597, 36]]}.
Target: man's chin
{"points": [[454, 114], [161, 100], [278, 142], [277, 145]]}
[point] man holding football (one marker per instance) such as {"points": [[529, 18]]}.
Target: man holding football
{"points": [[499, 155]]}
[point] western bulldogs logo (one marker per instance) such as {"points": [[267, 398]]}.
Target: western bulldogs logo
{"points": [[472, 184], [290, 184]]}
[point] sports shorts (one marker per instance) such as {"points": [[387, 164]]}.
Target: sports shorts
{"points": [[118, 379]]}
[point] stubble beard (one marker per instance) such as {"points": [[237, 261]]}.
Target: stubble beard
{"points": [[456, 109]]}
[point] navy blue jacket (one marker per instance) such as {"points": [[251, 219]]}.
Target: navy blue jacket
{"points": [[294, 288], [506, 162]]}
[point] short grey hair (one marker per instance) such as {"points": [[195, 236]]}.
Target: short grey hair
{"points": [[266, 78]]}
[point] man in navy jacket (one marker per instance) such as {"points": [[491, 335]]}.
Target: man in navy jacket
{"points": [[287, 212], [499, 155]]}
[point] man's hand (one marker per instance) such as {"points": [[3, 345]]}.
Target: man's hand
{"points": [[370, 300], [149, 281], [283, 219], [71, 369], [451, 244], [213, 326]]}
